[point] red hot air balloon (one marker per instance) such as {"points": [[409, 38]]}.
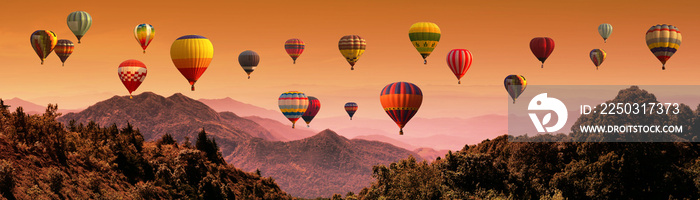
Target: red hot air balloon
{"points": [[294, 48], [459, 61], [401, 101], [132, 73], [312, 110], [542, 47]]}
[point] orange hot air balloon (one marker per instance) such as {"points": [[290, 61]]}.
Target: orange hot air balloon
{"points": [[401, 101], [191, 55]]}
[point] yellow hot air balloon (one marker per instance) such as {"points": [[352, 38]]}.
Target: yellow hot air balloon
{"points": [[425, 37], [191, 55], [352, 47]]}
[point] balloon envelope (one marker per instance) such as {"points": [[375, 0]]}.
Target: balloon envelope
{"points": [[311, 110], [401, 101], [191, 55], [425, 37], [79, 22], [351, 108], [515, 85], [352, 47], [542, 47], [293, 105], [597, 56], [249, 60], [132, 73], [663, 40], [294, 48], [63, 49], [605, 30], [144, 34], [43, 42], [459, 61]]}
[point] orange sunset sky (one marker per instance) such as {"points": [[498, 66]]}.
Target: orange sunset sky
{"points": [[496, 32]]}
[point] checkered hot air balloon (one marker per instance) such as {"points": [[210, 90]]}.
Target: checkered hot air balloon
{"points": [[249, 60], [459, 61], [352, 47], [311, 110], [79, 22], [63, 49], [191, 55], [663, 41], [293, 105], [144, 34], [401, 101], [351, 108], [43, 42], [515, 85], [597, 56], [294, 48], [132, 73], [542, 47], [425, 37]]}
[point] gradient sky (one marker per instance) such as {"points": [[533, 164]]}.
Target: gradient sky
{"points": [[496, 32]]}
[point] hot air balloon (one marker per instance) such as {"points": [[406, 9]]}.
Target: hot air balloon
{"points": [[132, 73], [43, 42], [352, 47], [459, 61], [311, 110], [542, 47], [597, 56], [293, 105], [249, 61], [605, 30], [401, 100], [191, 55], [144, 34], [294, 48], [63, 49], [79, 22], [424, 36], [663, 41], [515, 85], [351, 108]]}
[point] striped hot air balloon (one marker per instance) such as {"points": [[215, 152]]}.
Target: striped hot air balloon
{"points": [[542, 47], [294, 48], [311, 110], [293, 105], [459, 61], [132, 73], [597, 56], [351, 108], [144, 34], [515, 85], [191, 55], [663, 41], [401, 100], [605, 30], [63, 49], [249, 61], [425, 37], [43, 42], [352, 47], [79, 23]]}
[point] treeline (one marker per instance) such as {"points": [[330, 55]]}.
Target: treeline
{"points": [[42, 159]]}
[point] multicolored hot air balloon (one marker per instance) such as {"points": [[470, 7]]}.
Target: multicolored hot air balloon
{"points": [[401, 100], [191, 55], [351, 108], [311, 110], [425, 37], [605, 30], [79, 22], [459, 61], [63, 49], [144, 34], [132, 73], [249, 61], [663, 41], [293, 105], [597, 56], [294, 48], [352, 47], [43, 42], [542, 47], [515, 85]]}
